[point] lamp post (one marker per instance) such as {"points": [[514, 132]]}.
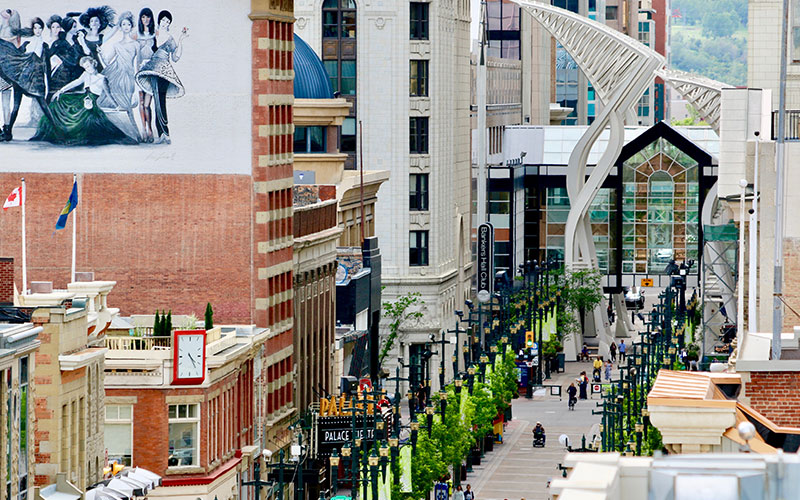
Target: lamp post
{"points": [[373, 466], [414, 433], [334, 459], [429, 415]]}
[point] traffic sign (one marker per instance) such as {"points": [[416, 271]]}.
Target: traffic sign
{"points": [[647, 281], [596, 388], [535, 360]]}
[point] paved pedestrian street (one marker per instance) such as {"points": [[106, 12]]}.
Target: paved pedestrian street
{"points": [[516, 470]]}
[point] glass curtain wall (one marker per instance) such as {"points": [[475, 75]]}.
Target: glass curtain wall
{"points": [[660, 208]]}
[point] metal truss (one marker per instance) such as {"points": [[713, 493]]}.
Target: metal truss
{"points": [[704, 94]]}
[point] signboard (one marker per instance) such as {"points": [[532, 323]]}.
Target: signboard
{"points": [[485, 262], [647, 281], [333, 432], [535, 348], [597, 388]]}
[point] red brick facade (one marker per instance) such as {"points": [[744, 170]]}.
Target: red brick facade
{"points": [[226, 421], [272, 47], [169, 241], [776, 395], [6, 280]]}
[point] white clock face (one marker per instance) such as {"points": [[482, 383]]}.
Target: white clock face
{"points": [[190, 356]]}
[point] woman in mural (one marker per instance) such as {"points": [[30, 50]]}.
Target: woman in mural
{"points": [[158, 77], [77, 120], [9, 31], [146, 40], [120, 72], [33, 43], [97, 20], [65, 53]]}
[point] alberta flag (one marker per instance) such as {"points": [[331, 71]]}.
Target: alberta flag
{"points": [[72, 202]]}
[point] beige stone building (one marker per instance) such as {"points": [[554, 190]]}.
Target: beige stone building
{"points": [[69, 398]]}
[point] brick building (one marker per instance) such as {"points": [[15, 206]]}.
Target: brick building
{"points": [[18, 344], [69, 380], [198, 437]]}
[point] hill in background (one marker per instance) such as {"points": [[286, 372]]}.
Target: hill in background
{"points": [[709, 38]]}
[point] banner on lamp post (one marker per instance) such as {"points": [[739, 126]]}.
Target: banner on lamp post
{"points": [[485, 262]]}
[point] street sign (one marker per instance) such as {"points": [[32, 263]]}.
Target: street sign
{"points": [[485, 262], [597, 388], [535, 348], [647, 281], [536, 360]]}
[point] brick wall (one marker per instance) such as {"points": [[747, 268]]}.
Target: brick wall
{"points": [[776, 395], [272, 160], [6, 280], [169, 241], [314, 219]]}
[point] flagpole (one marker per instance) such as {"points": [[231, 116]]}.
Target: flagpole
{"points": [[74, 225], [24, 243]]}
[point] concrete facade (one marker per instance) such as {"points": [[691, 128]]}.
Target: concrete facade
{"points": [[385, 108]]}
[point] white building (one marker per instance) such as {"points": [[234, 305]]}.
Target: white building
{"points": [[405, 66]]}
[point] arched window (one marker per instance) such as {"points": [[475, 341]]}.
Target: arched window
{"points": [[339, 58]]}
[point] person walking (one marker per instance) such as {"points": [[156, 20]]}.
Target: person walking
{"points": [[583, 381], [622, 349], [597, 365], [458, 494], [572, 393], [468, 493], [608, 370], [613, 349]]}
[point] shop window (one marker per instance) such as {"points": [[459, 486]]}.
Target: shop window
{"points": [[184, 433], [119, 433]]}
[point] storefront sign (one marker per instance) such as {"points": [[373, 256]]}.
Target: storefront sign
{"points": [[333, 432], [485, 261]]}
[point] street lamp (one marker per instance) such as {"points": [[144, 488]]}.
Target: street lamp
{"points": [[334, 473], [429, 415], [373, 466], [414, 433]]}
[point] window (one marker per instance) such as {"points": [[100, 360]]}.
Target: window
{"points": [[419, 20], [309, 139], [418, 84], [119, 433], [795, 33], [184, 432], [348, 136], [611, 12], [418, 193], [503, 29], [418, 248], [342, 75], [339, 19], [418, 138], [23, 428]]}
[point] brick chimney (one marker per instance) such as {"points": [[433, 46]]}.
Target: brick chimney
{"points": [[6, 280]]}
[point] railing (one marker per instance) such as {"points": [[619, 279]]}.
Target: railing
{"points": [[138, 343], [314, 218], [792, 125]]}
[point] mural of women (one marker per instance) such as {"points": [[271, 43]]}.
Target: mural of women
{"points": [[9, 31], [96, 20], [158, 77], [121, 70], [79, 121], [65, 53], [146, 40], [33, 43]]}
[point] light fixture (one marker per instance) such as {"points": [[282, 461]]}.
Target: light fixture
{"points": [[373, 460], [394, 442], [346, 450], [414, 426], [384, 449], [334, 459]]}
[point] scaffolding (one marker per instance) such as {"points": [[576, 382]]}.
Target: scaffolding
{"points": [[720, 245]]}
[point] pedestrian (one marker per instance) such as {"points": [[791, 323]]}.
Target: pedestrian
{"points": [[633, 318], [622, 349], [584, 384], [608, 370], [613, 349], [469, 494], [597, 365], [458, 494], [572, 392], [610, 312], [585, 353]]}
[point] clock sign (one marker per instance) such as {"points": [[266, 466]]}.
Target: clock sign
{"points": [[188, 357]]}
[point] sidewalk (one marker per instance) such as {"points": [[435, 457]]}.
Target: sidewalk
{"points": [[515, 470]]}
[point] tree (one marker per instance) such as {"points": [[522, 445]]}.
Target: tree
{"points": [[398, 312], [168, 324], [582, 292], [157, 325], [209, 317], [719, 24]]}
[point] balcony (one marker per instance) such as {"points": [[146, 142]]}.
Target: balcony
{"points": [[792, 125], [144, 343]]}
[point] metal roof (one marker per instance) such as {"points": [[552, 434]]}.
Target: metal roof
{"points": [[311, 81]]}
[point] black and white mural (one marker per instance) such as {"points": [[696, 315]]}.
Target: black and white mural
{"points": [[105, 75]]}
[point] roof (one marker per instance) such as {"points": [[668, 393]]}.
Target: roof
{"points": [[553, 144], [311, 80], [675, 386]]}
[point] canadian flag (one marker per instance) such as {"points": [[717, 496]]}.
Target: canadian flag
{"points": [[14, 199]]}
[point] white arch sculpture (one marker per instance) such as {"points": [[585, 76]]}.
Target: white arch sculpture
{"points": [[620, 69]]}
